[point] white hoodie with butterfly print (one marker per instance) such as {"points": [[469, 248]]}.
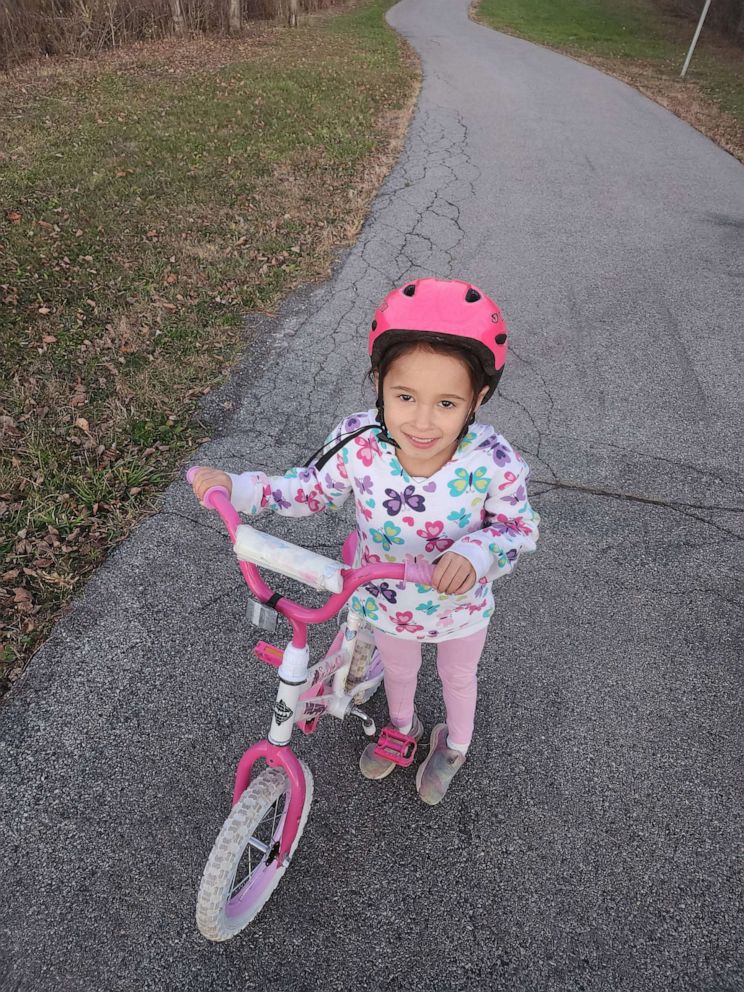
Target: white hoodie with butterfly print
{"points": [[476, 506]]}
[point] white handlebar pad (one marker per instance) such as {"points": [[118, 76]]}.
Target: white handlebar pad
{"points": [[279, 556]]}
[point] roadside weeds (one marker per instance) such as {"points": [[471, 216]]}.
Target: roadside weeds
{"points": [[153, 197]]}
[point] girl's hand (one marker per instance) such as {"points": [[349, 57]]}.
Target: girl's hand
{"points": [[206, 478], [453, 574]]}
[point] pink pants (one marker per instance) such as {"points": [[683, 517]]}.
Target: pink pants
{"points": [[457, 664]]}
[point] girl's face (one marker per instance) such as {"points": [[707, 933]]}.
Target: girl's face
{"points": [[428, 398]]}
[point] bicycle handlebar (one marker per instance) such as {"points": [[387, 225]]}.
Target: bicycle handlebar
{"points": [[344, 582]]}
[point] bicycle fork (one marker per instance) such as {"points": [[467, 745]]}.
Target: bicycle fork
{"points": [[276, 751]]}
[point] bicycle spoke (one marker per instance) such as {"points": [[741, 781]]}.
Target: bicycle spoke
{"points": [[255, 843]]}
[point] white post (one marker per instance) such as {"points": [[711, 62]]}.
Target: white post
{"points": [[179, 23], [234, 16], [694, 40]]}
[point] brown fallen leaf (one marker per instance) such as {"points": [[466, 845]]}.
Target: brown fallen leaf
{"points": [[8, 425], [13, 216]]}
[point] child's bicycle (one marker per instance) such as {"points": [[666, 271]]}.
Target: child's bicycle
{"points": [[261, 833]]}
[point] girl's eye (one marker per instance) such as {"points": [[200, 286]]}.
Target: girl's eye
{"points": [[405, 397], [448, 404]]}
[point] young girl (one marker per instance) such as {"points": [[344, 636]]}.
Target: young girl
{"points": [[427, 480]]}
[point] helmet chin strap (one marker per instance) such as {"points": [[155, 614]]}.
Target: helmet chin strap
{"points": [[384, 434]]}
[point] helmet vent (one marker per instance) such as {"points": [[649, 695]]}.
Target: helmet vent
{"points": [[500, 339], [374, 325], [472, 296], [409, 290]]}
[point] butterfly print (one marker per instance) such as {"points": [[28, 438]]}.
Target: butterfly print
{"points": [[281, 502], [461, 518], [388, 536], [500, 451], [332, 483], [466, 482], [383, 590], [367, 610], [403, 621], [311, 498], [432, 532], [364, 485], [503, 558], [409, 497], [368, 448], [509, 479], [365, 511], [516, 498], [509, 525]]}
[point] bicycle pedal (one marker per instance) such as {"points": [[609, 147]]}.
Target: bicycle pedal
{"points": [[395, 746], [268, 653]]}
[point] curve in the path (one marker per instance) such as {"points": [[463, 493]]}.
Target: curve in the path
{"points": [[590, 841]]}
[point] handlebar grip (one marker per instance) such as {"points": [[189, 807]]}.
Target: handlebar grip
{"points": [[419, 570], [212, 491]]}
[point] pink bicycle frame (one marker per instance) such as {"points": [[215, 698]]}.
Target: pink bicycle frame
{"points": [[299, 616]]}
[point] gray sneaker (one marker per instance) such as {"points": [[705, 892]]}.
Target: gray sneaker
{"points": [[440, 767], [373, 766]]}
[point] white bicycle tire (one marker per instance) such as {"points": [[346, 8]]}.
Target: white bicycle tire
{"points": [[219, 874]]}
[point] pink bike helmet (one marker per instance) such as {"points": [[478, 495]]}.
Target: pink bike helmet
{"points": [[450, 310]]}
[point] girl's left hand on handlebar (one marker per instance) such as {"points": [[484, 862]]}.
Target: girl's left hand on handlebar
{"points": [[453, 574], [207, 478]]}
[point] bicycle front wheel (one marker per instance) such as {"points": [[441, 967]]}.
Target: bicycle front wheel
{"points": [[243, 868]]}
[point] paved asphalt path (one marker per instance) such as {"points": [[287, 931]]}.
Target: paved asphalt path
{"points": [[590, 842]]}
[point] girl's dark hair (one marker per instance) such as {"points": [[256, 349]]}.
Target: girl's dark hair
{"points": [[441, 346]]}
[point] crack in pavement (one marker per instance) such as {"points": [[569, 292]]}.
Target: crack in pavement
{"points": [[586, 677], [676, 506], [676, 463]]}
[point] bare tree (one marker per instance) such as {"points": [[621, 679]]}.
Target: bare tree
{"points": [[179, 22], [234, 15]]}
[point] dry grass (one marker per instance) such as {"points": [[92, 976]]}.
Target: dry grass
{"points": [[142, 223]]}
